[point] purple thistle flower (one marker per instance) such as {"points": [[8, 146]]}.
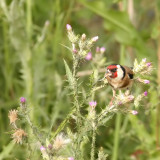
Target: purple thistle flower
{"points": [[149, 64], [88, 56], [75, 51], [145, 93], [146, 81], [22, 100], [69, 28], [93, 103], [134, 112], [70, 158], [42, 148], [102, 49], [94, 39]]}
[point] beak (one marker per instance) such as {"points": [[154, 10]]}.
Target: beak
{"points": [[108, 72]]}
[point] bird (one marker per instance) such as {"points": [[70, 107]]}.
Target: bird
{"points": [[119, 77]]}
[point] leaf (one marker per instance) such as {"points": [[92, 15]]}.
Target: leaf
{"points": [[6, 150], [118, 22], [69, 75]]}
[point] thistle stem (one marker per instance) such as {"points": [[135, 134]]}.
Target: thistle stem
{"points": [[76, 105], [116, 136], [93, 144]]}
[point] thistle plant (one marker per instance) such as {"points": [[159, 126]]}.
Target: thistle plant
{"points": [[86, 124]]}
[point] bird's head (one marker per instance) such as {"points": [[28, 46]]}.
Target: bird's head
{"points": [[114, 71]]}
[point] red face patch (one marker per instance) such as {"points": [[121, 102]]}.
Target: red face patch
{"points": [[113, 70], [114, 75], [110, 67]]}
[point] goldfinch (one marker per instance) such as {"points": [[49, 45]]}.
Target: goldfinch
{"points": [[119, 77]]}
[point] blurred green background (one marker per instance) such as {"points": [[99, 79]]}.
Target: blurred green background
{"points": [[31, 65]]}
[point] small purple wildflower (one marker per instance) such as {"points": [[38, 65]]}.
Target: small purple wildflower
{"points": [[149, 64], [145, 93], [146, 81], [22, 100], [42, 148], [69, 28], [88, 56], [94, 39], [70, 158], [134, 112], [102, 50], [75, 51], [93, 103]]}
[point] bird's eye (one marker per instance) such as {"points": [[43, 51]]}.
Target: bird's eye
{"points": [[113, 70]]}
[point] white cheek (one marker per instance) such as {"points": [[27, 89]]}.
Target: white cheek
{"points": [[119, 74]]}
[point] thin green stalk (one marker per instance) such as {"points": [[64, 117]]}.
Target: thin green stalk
{"points": [[77, 106], [28, 60], [116, 136], [29, 19], [158, 78], [118, 117], [93, 143], [6, 57]]}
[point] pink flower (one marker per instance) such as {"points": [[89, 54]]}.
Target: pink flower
{"points": [[93, 103], [149, 64], [42, 148], [102, 50], [75, 51], [88, 56], [146, 81], [134, 112], [145, 93], [22, 100], [70, 158], [94, 39], [69, 28]]}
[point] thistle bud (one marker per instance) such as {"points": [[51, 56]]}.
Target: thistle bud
{"points": [[69, 28], [83, 37], [88, 56], [134, 112], [94, 39], [22, 100], [145, 93], [102, 50], [75, 51], [146, 81]]}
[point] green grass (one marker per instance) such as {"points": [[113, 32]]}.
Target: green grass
{"points": [[31, 65]]}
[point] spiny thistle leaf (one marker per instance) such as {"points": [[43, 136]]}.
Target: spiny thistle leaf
{"points": [[69, 75]]}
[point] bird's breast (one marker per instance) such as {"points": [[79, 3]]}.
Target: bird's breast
{"points": [[119, 84]]}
